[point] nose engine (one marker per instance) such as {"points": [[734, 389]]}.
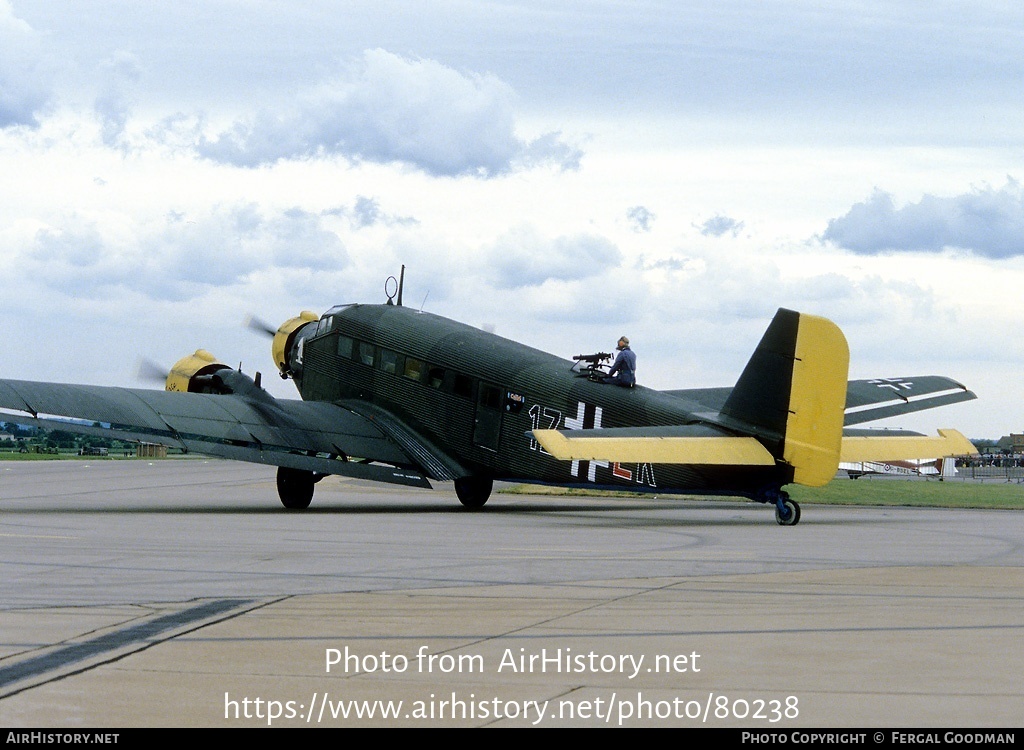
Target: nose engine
{"points": [[201, 372], [287, 346]]}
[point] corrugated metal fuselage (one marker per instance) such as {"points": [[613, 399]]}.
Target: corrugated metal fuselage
{"points": [[476, 396]]}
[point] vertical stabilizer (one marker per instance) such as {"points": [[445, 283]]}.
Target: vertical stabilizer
{"points": [[793, 390]]}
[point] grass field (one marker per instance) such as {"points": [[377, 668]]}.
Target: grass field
{"points": [[118, 456], [952, 493], [14, 456]]}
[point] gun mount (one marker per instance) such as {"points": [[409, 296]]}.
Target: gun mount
{"points": [[591, 366]]}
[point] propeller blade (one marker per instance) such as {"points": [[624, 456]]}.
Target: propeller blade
{"points": [[260, 326], [149, 370]]}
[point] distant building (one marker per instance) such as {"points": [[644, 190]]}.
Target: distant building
{"points": [[151, 450], [1011, 444]]}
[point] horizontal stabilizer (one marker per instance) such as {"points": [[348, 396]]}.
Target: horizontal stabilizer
{"points": [[730, 451], [905, 447], [868, 400]]}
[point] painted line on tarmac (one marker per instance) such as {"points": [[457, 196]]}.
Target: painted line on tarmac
{"points": [[141, 635]]}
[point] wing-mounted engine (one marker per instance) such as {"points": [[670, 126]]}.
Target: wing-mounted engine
{"points": [[200, 372], [194, 373], [287, 346]]}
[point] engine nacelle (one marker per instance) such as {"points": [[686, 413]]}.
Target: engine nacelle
{"points": [[191, 374], [284, 340]]}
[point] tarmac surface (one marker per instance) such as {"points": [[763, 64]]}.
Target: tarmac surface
{"points": [[180, 593]]}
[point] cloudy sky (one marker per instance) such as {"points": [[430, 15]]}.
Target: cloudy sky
{"points": [[564, 172]]}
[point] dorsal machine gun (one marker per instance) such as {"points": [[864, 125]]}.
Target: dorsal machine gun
{"points": [[592, 366]]}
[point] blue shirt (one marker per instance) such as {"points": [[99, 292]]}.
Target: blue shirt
{"points": [[625, 367]]}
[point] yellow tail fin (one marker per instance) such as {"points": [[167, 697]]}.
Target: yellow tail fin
{"points": [[817, 401]]}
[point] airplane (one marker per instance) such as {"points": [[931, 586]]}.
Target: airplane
{"points": [[923, 467], [398, 395]]}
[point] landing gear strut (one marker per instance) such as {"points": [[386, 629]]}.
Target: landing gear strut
{"points": [[295, 487], [473, 491], [787, 511]]}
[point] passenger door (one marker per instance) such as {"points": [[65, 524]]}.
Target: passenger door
{"points": [[489, 408]]}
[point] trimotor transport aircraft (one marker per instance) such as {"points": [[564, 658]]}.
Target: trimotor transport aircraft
{"points": [[397, 395]]}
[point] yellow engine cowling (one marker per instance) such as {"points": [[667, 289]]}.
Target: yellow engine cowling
{"points": [[183, 376], [285, 336]]}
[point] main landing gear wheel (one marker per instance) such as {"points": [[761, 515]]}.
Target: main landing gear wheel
{"points": [[791, 516], [473, 491], [295, 487]]}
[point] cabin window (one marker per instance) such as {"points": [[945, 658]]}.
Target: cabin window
{"points": [[345, 347], [414, 368], [435, 377], [463, 386], [366, 353], [389, 361], [490, 396], [325, 324]]}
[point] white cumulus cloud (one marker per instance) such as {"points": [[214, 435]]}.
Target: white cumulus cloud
{"points": [[986, 221], [719, 225], [177, 258], [523, 258], [119, 76], [25, 86], [640, 218], [388, 108]]}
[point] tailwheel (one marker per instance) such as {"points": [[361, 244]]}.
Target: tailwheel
{"points": [[473, 491], [295, 487], [787, 512]]}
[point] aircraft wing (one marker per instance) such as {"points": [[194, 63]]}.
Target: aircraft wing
{"points": [[866, 400], [315, 436]]}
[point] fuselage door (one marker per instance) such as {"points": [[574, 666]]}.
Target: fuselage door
{"points": [[489, 408]]}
